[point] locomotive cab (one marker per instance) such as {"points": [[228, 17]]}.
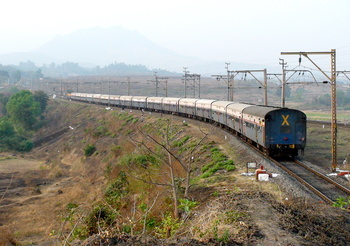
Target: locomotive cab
{"points": [[285, 132], [279, 131]]}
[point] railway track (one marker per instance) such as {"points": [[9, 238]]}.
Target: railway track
{"points": [[321, 185]]}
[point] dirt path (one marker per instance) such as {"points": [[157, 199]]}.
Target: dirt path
{"points": [[13, 165], [12, 178]]}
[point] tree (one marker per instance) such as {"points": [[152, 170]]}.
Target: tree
{"points": [[4, 98], [23, 109], [16, 76], [6, 128], [10, 140], [42, 98], [173, 149]]}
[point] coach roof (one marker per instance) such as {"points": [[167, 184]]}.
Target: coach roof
{"points": [[261, 111]]}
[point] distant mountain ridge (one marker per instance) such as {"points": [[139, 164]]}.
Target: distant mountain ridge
{"points": [[100, 47], [103, 46]]}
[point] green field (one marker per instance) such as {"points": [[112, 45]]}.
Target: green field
{"points": [[343, 116]]}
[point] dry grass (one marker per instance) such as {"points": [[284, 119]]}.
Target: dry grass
{"points": [[6, 236], [226, 201]]}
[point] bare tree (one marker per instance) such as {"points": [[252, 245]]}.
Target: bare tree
{"points": [[169, 157]]}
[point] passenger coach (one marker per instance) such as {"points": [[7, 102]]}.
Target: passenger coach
{"points": [[277, 131]]}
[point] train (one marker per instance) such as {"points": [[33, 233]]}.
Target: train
{"points": [[276, 131]]}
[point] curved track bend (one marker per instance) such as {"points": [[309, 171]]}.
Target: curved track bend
{"points": [[324, 187]]}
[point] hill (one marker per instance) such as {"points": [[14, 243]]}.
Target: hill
{"points": [[98, 180], [103, 46]]}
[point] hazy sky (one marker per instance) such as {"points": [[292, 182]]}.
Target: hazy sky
{"points": [[248, 31]]}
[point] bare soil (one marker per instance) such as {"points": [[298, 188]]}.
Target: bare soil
{"points": [[35, 189]]}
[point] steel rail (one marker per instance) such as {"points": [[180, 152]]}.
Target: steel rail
{"points": [[301, 180], [343, 188]]}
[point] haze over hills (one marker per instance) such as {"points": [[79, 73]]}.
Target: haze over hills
{"points": [[103, 46]]}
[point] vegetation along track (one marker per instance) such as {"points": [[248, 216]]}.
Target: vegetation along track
{"points": [[324, 187]]}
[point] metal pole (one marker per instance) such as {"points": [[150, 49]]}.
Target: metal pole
{"points": [[185, 71], [283, 86], [199, 86], [283, 89], [334, 111], [228, 82], [231, 88], [334, 94], [265, 86], [166, 88], [109, 92], [128, 79]]}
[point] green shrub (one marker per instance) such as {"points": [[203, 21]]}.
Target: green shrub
{"points": [[117, 189], [187, 205], [100, 131], [219, 162], [99, 218], [167, 227], [181, 141], [89, 149], [342, 202], [140, 160]]}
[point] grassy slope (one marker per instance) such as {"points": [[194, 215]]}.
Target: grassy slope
{"points": [[230, 207]]}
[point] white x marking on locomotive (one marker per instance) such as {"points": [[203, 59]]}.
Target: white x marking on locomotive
{"points": [[285, 120]]}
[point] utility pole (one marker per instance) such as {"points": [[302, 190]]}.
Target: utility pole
{"points": [[156, 77], [159, 81], [128, 80], [109, 92], [192, 81], [228, 81], [332, 80], [283, 86], [263, 84], [185, 80]]}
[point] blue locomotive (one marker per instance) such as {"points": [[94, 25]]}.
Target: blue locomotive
{"points": [[274, 130]]}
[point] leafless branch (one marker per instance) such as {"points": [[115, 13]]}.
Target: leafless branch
{"points": [[147, 212], [8, 187], [70, 233], [148, 182]]}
